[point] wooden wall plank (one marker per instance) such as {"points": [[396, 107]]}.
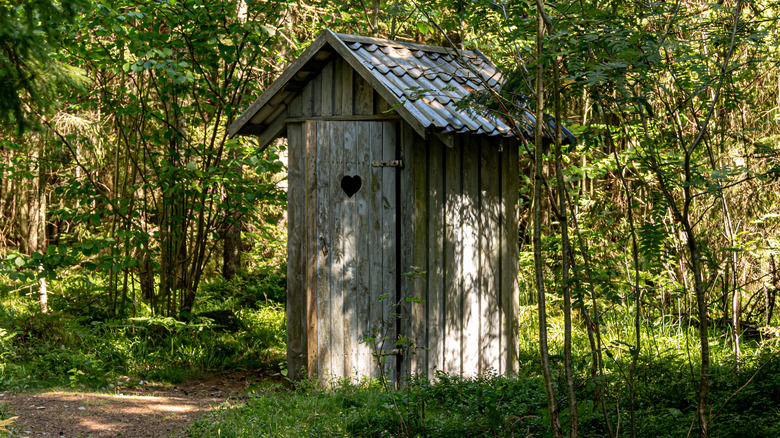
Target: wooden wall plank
{"points": [[325, 78], [453, 256], [316, 93], [364, 361], [310, 142], [418, 167], [307, 100], [295, 109], [436, 232], [380, 104], [296, 336], [490, 254], [364, 96], [348, 90], [337, 196], [470, 260], [351, 255], [509, 255], [324, 264], [377, 324], [389, 240], [338, 83]]}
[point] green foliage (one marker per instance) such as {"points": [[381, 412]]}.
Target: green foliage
{"points": [[245, 289], [28, 68], [486, 406], [93, 350]]}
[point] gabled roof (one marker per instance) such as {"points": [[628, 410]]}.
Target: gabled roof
{"points": [[424, 84]]}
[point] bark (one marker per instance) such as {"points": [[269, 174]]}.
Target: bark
{"points": [[231, 256], [552, 404]]}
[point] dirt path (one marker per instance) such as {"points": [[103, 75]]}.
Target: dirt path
{"points": [[143, 411]]}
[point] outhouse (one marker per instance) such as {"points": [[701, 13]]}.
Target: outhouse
{"points": [[402, 210]]}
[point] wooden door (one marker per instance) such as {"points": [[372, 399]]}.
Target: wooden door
{"points": [[357, 250]]}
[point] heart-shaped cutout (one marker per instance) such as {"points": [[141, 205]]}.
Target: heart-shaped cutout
{"points": [[351, 184]]}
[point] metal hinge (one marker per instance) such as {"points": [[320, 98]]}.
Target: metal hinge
{"points": [[391, 163]]}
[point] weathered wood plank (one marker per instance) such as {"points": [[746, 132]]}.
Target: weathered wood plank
{"points": [[307, 100], [278, 85], [453, 255], [352, 118], [324, 265], [377, 324], [490, 254], [406, 239], [509, 252], [296, 335], [338, 66], [351, 255], [364, 96], [336, 133], [347, 89], [380, 104], [435, 316], [389, 241], [310, 141], [273, 131], [364, 361], [418, 167], [326, 90], [295, 108], [470, 260]]}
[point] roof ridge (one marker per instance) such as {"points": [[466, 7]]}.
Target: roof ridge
{"points": [[349, 38]]}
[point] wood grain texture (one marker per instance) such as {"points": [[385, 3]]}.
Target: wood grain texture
{"points": [[490, 254], [389, 242], [310, 142], [436, 233], [364, 361], [338, 197], [326, 90], [364, 96], [470, 260], [324, 263], [418, 167], [296, 336], [351, 255], [376, 249], [453, 260]]}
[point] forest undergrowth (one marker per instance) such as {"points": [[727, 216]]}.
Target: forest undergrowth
{"points": [[745, 396], [242, 326], [80, 344]]}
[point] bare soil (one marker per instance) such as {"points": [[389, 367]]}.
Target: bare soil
{"points": [[143, 410]]}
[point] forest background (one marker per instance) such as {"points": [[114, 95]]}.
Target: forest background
{"points": [[134, 232]]}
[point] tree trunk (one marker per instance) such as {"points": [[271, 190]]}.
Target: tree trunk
{"points": [[552, 404], [231, 256]]}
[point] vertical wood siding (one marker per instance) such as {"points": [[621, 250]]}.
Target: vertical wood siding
{"points": [[450, 212]]}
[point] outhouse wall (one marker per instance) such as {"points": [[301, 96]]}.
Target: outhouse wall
{"points": [[450, 211]]}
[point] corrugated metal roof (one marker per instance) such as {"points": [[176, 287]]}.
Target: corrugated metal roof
{"points": [[432, 82], [427, 85]]}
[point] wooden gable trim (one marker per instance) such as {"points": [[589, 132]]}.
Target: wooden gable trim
{"points": [[277, 85]]}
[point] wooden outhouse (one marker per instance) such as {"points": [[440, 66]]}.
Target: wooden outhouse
{"points": [[396, 194]]}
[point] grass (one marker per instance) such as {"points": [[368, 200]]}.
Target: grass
{"points": [[79, 345], [493, 406]]}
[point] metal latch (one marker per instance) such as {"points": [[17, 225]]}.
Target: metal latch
{"points": [[391, 163]]}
